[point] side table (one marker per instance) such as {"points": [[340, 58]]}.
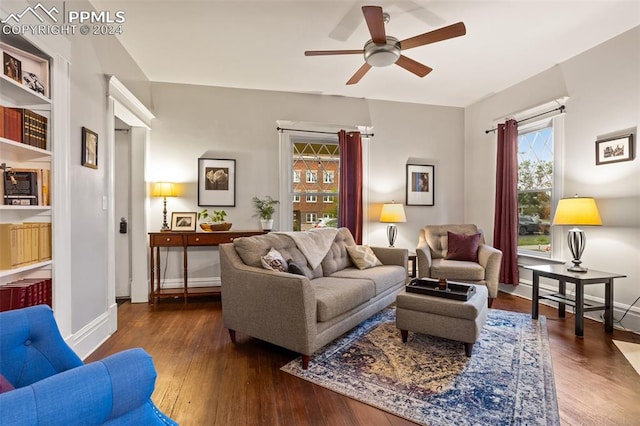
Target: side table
{"points": [[580, 279]]}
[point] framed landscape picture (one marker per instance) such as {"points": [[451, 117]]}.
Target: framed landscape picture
{"points": [[420, 185], [216, 182], [614, 150]]}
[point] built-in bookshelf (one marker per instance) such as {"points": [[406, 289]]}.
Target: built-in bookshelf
{"points": [[26, 152]]}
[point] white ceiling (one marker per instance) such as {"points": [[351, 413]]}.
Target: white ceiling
{"points": [[260, 44]]}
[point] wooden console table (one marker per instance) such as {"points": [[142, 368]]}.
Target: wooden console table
{"points": [[185, 240]]}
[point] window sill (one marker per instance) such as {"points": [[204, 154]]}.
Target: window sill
{"points": [[530, 258]]}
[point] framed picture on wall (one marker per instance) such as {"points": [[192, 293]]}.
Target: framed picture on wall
{"points": [[216, 182], [89, 148], [420, 185], [614, 150]]}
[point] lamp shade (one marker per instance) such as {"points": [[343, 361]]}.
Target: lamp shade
{"points": [[392, 213], [577, 211], [163, 189]]}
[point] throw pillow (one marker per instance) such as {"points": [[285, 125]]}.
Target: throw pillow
{"points": [[363, 257], [463, 247], [5, 386], [274, 261], [294, 268]]}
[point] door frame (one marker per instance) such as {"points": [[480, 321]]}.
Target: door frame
{"points": [[124, 105]]}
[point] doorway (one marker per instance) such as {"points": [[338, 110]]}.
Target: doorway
{"points": [[122, 209]]}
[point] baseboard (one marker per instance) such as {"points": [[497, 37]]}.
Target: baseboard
{"points": [[91, 336], [631, 321], [193, 282]]}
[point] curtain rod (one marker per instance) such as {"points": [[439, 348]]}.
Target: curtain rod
{"points": [[561, 108], [282, 129]]}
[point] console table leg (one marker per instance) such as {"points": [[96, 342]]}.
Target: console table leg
{"points": [[579, 309], [534, 296], [562, 306], [608, 306]]}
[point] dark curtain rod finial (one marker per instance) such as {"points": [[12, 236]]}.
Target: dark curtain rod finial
{"points": [[561, 108]]}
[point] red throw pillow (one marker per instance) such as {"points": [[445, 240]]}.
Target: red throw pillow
{"points": [[5, 386], [463, 247]]}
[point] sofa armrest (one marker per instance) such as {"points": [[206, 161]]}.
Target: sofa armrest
{"points": [[392, 256], [277, 307], [423, 255], [92, 394], [490, 258]]}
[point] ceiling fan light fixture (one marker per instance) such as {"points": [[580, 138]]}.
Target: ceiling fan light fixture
{"points": [[382, 55]]}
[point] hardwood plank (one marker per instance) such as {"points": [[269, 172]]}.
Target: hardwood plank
{"points": [[205, 379]]}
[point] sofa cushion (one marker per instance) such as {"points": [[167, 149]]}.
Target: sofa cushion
{"points": [[384, 277], [335, 296], [337, 258], [462, 247], [363, 257], [274, 261], [457, 270], [251, 250]]}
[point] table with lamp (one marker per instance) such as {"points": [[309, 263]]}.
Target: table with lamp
{"points": [[575, 211], [391, 214]]}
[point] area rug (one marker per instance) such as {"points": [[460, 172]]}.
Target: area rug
{"points": [[507, 381]]}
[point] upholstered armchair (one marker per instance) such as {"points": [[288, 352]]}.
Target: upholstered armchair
{"points": [[471, 261], [43, 382]]}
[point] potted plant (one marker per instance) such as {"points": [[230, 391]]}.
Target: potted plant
{"points": [[213, 220], [264, 209]]}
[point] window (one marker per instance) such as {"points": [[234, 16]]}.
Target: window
{"points": [[535, 188], [312, 176], [296, 199], [296, 176], [328, 176], [311, 217], [314, 158]]}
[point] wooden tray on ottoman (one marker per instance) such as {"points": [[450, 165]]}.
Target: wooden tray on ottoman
{"points": [[429, 287]]}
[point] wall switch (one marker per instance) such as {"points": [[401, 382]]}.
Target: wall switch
{"points": [[104, 202]]}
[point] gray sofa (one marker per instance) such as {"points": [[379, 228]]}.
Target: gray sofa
{"points": [[304, 312]]}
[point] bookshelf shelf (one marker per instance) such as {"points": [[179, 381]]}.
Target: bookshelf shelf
{"points": [[26, 268], [3, 207], [20, 152], [19, 95]]}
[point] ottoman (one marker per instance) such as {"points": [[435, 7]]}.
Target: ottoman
{"points": [[436, 316]]}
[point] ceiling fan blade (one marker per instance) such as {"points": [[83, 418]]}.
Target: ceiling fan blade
{"points": [[375, 22], [444, 33], [332, 52], [412, 66], [359, 74]]}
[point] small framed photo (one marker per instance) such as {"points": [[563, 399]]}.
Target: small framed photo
{"points": [[12, 67], [614, 150], [183, 221], [89, 148], [216, 182], [420, 185]]}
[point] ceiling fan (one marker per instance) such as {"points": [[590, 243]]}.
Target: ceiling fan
{"points": [[383, 50]]}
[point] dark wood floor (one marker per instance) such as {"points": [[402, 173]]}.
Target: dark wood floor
{"points": [[203, 379]]}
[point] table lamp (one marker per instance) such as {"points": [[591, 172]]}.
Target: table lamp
{"points": [[577, 211], [392, 213], [164, 189]]}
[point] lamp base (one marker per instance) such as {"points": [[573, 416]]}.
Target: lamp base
{"points": [[576, 268], [392, 233], [577, 241]]}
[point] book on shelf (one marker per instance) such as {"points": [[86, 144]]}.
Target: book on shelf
{"points": [[23, 244], [26, 292], [25, 126]]}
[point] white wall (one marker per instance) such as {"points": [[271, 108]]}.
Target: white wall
{"points": [[603, 86], [241, 124]]}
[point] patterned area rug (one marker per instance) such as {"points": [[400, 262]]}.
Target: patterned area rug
{"points": [[507, 381]]}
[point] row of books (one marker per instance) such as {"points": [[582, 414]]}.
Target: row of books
{"points": [[23, 125], [23, 244], [25, 187], [26, 292]]}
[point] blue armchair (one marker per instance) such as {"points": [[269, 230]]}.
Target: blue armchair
{"points": [[54, 387]]}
